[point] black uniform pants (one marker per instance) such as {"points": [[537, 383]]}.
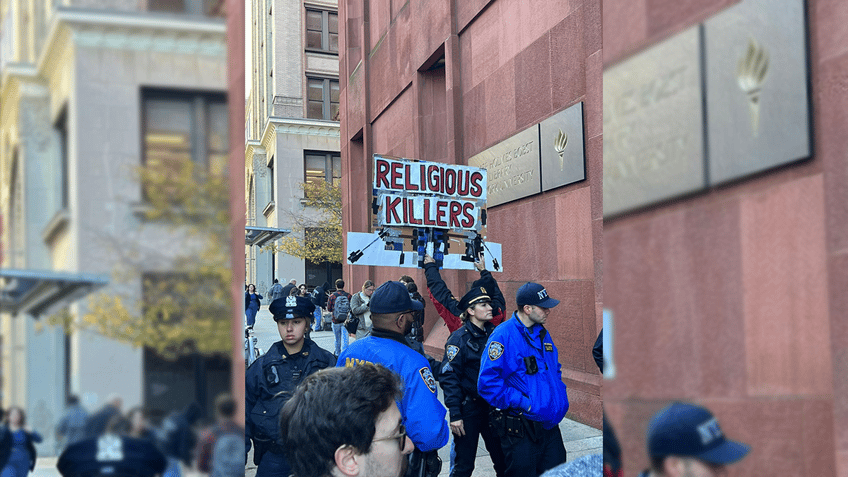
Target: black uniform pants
{"points": [[273, 465], [528, 458], [476, 423]]}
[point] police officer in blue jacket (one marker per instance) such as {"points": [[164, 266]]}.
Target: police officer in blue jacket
{"points": [[271, 379], [423, 414], [520, 375], [469, 413]]}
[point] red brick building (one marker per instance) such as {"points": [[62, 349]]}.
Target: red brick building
{"points": [[443, 81], [734, 296]]}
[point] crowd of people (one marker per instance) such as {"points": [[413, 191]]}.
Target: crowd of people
{"points": [[500, 376], [371, 407], [111, 442]]}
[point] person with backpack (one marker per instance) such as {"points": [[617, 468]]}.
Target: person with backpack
{"points": [[276, 291], [220, 452], [339, 305], [71, 428], [178, 439]]}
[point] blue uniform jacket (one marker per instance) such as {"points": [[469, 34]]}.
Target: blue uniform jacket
{"points": [[273, 373], [423, 414], [504, 381]]}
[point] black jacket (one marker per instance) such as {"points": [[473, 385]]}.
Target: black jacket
{"points": [[461, 367], [5, 445], [448, 305], [273, 373], [96, 424], [131, 458], [598, 351]]}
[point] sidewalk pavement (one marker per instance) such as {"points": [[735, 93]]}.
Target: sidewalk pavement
{"points": [[46, 467], [579, 439]]}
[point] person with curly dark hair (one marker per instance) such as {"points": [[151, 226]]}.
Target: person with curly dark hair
{"points": [[344, 422], [22, 458]]}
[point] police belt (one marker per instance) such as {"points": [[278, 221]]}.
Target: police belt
{"points": [[515, 423], [269, 445]]}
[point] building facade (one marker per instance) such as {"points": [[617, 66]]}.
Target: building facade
{"points": [[728, 290], [92, 91], [453, 81], [291, 127]]}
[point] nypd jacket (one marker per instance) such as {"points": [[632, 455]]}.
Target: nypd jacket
{"points": [[109, 454], [423, 414], [461, 366], [448, 306], [507, 381], [274, 372]]}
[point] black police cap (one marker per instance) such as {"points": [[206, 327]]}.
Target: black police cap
{"points": [[290, 307], [474, 296]]}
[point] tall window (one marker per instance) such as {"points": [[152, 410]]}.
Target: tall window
{"points": [[60, 129], [322, 166], [271, 177], [322, 97], [322, 31], [182, 128]]}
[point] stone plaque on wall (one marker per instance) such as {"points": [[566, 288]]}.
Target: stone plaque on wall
{"points": [[653, 125], [561, 146], [756, 87], [512, 167]]}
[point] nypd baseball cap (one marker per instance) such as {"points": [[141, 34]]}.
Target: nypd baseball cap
{"points": [[392, 297], [534, 294], [290, 307], [687, 430], [474, 296]]}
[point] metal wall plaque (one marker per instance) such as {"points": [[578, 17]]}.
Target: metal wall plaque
{"points": [[757, 100], [513, 167], [653, 125], [561, 144]]}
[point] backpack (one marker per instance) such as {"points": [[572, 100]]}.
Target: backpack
{"points": [[227, 455], [341, 309], [276, 292]]}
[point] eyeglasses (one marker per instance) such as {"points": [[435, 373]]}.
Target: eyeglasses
{"points": [[400, 437]]}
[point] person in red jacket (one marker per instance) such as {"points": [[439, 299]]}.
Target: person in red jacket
{"points": [[448, 306]]}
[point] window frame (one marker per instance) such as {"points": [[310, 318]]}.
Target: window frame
{"points": [[325, 30], [201, 102], [328, 164], [326, 96]]}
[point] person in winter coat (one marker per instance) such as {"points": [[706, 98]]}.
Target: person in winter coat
{"points": [[252, 300], [71, 428], [469, 413], [359, 308], [448, 306], [319, 299], [22, 457]]}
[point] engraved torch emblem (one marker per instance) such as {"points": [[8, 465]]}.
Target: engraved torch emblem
{"points": [[751, 70], [560, 141]]}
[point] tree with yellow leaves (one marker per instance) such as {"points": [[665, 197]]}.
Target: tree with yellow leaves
{"points": [[316, 237], [185, 306]]}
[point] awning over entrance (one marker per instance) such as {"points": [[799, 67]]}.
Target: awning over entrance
{"points": [[262, 235], [38, 291]]}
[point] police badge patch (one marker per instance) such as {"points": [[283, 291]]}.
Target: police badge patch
{"points": [[451, 352], [495, 350], [549, 347], [428, 378]]}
